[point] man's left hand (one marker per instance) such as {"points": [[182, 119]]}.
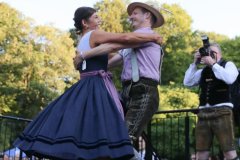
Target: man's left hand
{"points": [[208, 60]]}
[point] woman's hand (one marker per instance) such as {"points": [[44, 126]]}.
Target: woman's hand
{"points": [[159, 39], [77, 60]]}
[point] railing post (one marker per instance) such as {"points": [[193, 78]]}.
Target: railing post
{"points": [[21, 155], [148, 148], [187, 138]]}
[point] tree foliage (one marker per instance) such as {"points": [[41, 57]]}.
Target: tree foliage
{"points": [[230, 50], [173, 97], [113, 14], [177, 98], [178, 37], [35, 63]]}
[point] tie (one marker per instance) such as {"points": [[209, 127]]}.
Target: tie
{"points": [[135, 72]]}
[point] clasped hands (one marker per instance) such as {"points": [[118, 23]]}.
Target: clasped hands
{"points": [[207, 60]]}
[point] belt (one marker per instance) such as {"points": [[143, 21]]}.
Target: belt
{"points": [[147, 81], [215, 109]]}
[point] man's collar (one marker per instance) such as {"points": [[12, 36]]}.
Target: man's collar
{"points": [[220, 61]]}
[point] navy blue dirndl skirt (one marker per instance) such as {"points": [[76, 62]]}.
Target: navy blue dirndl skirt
{"points": [[83, 123]]}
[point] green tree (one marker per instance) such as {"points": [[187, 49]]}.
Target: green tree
{"points": [[35, 64], [174, 97], [230, 49], [178, 36], [113, 15]]}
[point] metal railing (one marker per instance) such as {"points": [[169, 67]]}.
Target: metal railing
{"points": [[173, 135], [10, 127], [170, 136]]}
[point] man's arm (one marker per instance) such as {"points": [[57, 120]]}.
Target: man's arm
{"points": [[193, 75], [103, 49], [101, 37], [228, 73], [99, 50], [115, 61]]}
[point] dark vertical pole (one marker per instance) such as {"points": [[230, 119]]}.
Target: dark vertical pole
{"points": [[20, 156], [221, 155], [187, 138], [148, 141]]}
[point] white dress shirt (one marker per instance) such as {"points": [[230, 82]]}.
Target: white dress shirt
{"points": [[228, 74]]}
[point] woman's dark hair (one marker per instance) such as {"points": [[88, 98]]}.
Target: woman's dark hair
{"points": [[80, 14]]}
